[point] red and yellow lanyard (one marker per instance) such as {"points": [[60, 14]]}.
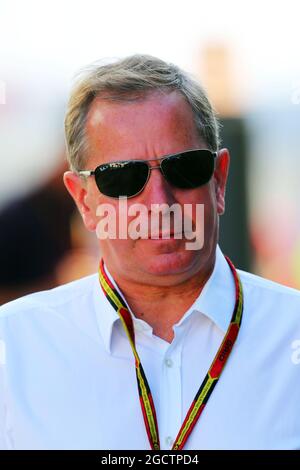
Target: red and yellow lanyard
{"points": [[210, 379]]}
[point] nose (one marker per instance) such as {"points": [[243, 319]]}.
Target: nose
{"points": [[158, 190]]}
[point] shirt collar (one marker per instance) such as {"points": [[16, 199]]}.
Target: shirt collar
{"points": [[105, 313], [217, 298], [216, 301]]}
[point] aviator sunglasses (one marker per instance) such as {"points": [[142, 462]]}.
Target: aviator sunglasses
{"points": [[185, 170]]}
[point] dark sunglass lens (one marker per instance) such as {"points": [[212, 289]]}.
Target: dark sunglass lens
{"points": [[121, 178], [189, 169]]}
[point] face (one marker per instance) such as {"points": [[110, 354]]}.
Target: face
{"points": [[151, 128]]}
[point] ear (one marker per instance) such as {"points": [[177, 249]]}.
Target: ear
{"points": [[77, 188], [220, 178]]}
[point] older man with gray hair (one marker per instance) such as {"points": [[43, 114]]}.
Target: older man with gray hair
{"points": [[166, 347]]}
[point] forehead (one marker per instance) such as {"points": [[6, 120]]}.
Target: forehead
{"points": [[158, 123]]}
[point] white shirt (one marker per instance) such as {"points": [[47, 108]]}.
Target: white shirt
{"points": [[68, 380]]}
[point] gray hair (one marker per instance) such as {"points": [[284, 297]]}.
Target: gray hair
{"points": [[132, 79]]}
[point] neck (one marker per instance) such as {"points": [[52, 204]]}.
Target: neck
{"points": [[171, 302]]}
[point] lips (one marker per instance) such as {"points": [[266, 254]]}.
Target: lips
{"points": [[165, 236]]}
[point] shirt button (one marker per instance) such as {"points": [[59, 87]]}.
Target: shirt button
{"points": [[169, 441], [169, 362]]}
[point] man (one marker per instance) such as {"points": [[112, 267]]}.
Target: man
{"points": [[168, 347]]}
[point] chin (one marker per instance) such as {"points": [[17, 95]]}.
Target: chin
{"points": [[170, 264]]}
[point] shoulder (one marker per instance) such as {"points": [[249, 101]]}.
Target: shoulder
{"points": [[269, 301], [264, 287], [58, 299]]}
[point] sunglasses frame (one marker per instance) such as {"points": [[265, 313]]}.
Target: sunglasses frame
{"points": [[121, 163]]}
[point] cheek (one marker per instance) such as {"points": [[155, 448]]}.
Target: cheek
{"points": [[93, 197], [98, 209], [210, 209], [202, 196], [111, 220]]}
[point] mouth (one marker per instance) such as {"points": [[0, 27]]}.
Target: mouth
{"points": [[166, 236]]}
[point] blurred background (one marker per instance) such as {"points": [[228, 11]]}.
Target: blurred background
{"points": [[246, 54]]}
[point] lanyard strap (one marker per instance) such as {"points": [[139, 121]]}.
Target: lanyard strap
{"points": [[210, 380]]}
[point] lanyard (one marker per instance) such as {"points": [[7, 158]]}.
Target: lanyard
{"points": [[210, 380]]}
